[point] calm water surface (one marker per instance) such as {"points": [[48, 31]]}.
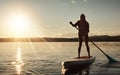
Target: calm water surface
{"points": [[44, 58]]}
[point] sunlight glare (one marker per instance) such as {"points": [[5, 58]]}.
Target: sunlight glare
{"points": [[73, 2], [18, 63], [85, 0], [18, 55]]}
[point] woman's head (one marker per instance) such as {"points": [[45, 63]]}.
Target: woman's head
{"points": [[82, 17]]}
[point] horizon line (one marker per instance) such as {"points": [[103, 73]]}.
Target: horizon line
{"points": [[59, 37]]}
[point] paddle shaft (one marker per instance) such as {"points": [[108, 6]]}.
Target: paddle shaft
{"points": [[98, 47]]}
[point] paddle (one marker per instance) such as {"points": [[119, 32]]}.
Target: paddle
{"points": [[111, 60]]}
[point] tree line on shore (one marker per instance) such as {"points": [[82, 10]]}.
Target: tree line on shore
{"points": [[103, 38]]}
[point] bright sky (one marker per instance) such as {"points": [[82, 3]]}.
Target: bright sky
{"points": [[50, 18]]}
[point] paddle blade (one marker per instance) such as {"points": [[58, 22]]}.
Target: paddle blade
{"points": [[111, 60]]}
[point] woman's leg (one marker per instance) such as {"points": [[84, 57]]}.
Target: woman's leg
{"points": [[87, 46], [80, 44]]}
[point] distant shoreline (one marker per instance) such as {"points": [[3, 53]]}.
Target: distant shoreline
{"points": [[103, 38]]}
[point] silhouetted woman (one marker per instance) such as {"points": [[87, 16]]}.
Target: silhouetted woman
{"points": [[83, 27]]}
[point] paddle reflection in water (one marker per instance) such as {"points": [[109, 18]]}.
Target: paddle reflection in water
{"points": [[18, 63], [112, 65]]}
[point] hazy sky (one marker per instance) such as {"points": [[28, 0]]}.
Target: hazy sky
{"points": [[50, 18]]}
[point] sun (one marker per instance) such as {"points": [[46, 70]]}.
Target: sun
{"points": [[19, 23]]}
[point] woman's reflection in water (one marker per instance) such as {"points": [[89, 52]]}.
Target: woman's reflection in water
{"points": [[77, 72]]}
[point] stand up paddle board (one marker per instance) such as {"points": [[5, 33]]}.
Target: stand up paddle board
{"points": [[81, 62]]}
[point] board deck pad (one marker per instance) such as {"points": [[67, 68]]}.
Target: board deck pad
{"points": [[83, 57]]}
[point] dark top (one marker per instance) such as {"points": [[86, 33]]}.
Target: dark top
{"points": [[83, 26]]}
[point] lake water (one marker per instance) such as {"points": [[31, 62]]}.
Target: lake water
{"points": [[45, 58]]}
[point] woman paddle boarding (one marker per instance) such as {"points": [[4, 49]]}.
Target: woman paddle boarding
{"points": [[83, 26]]}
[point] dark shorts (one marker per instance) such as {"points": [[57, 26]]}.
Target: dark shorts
{"points": [[83, 36]]}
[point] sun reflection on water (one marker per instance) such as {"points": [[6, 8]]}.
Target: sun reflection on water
{"points": [[18, 63]]}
